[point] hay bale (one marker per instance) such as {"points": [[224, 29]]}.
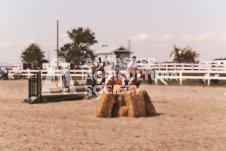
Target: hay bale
{"points": [[105, 105], [126, 104], [150, 109], [123, 111], [135, 103], [119, 102], [118, 89]]}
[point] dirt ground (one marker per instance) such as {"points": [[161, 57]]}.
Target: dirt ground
{"points": [[190, 118]]}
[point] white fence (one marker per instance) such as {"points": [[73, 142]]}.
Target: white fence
{"points": [[182, 66], [162, 72], [163, 76], [75, 73], [82, 74]]}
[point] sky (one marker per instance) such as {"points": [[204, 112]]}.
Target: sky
{"points": [[152, 26]]}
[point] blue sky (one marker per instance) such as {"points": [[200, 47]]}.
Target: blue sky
{"points": [[152, 26]]}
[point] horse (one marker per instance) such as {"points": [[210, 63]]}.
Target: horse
{"points": [[142, 76], [120, 79], [99, 73]]}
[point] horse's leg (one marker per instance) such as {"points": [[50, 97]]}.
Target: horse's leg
{"points": [[103, 80], [149, 79], [93, 84], [126, 84]]}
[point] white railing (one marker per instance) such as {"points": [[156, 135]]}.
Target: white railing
{"points": [[174, 71], [163, 76], [182, 66], [73, 73]]}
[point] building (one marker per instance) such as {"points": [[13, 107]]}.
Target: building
{"points": [[105, 53], [121, 53], [113, 55]]}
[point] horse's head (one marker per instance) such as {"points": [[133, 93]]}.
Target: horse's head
{"points": [[113, 80]]}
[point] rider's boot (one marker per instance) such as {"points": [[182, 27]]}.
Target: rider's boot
{"points": [[126, 85], [102, 81]]}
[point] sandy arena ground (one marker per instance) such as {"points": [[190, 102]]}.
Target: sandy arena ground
{"points": [[191, 118]]}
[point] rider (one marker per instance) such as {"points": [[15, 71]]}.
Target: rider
{"points": [[100, 64], [132, 68], [100, 67]]}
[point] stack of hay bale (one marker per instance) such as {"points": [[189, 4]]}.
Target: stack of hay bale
{"points": [[127, 104]]}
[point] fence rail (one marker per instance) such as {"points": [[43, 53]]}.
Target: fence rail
{"points": [[182, 66], [176, 71], [179, 75], [73, 73]]}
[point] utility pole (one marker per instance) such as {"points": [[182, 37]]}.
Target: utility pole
{"points": [[48, 55], [57, 39], [129, 44]]}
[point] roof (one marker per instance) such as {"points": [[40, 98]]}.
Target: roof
{"points": [[105, 50], [122, 49], [219, 59], [111, 50]]}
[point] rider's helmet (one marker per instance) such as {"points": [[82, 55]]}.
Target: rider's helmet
{"points": [[134, 58]]}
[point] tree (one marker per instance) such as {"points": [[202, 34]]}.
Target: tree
{"points": [[33, 54], [186, 53], [78, 50]]}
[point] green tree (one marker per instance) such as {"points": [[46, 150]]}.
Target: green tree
{"points": [[186, 53], [33, 54], [79, 50]]}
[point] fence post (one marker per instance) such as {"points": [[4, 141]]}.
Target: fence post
{"points": [[39, 84], [29, 88], [29, 73], [180, 77], [156, 77], [208, 76]]}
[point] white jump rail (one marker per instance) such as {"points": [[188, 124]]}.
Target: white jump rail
{"points": [[178, 75]]}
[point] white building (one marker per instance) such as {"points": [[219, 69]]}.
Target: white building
{"points": [[105, 53], [110, 54]]}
